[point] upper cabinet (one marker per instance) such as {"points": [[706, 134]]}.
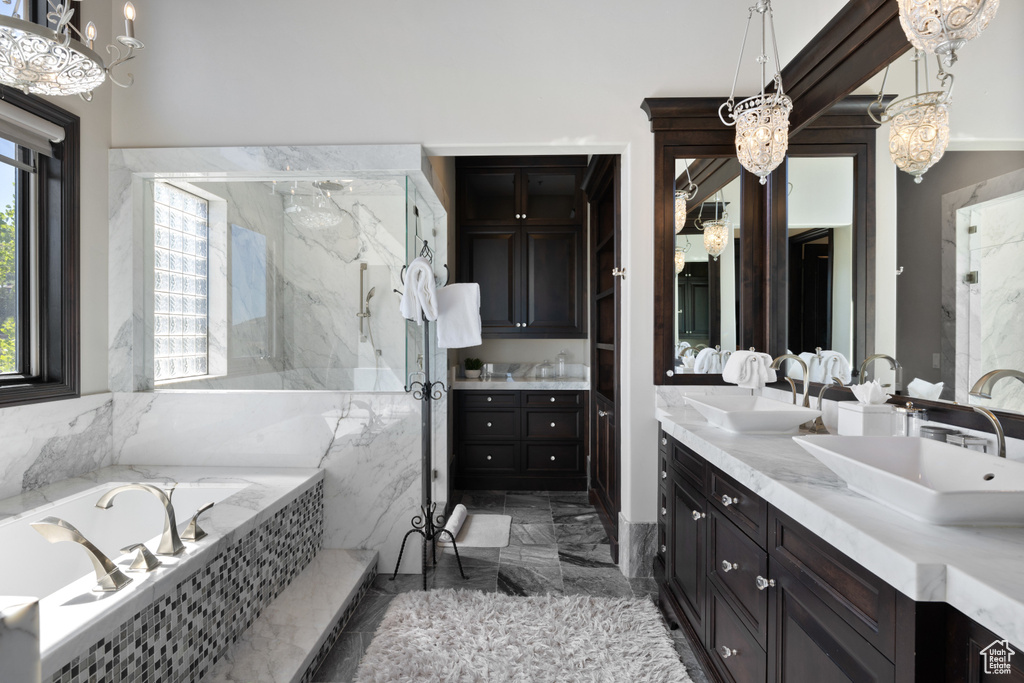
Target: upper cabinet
{"points": [[520, 237]]}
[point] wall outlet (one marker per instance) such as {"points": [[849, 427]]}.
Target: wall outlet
{"points": [[936, 361]]}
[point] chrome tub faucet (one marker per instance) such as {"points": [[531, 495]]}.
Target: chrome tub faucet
{"points": [[109, 577], [170, 541]]}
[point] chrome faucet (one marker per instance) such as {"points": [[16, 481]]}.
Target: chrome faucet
{"points": [[894, 365], [818, 426], [109, 577], [777, 363], [170, 542], [983, 389]]}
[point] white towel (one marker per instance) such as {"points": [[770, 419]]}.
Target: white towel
{"points": [[420, 298], [835, 364], [708, 362], [454, 524], [749, 369], [918, 388], [458, 316]]}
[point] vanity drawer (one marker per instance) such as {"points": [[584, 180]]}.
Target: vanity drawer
{"points": [[488, 456], [553, 424], [742, 506], [662, 469], [485, 399], [490, 424], [688, 463], [734, 563], [552, 457], [560, 399], [734, 651]]}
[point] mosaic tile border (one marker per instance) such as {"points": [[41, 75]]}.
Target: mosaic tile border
{"points": [[335, 633], [178, 638]]}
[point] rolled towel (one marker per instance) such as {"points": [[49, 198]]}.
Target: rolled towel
{"points": [[836, 365], [749, 369], [918, 388], [454, 523], [420, 297], [458, 316], [705, 362], [688, 362]]}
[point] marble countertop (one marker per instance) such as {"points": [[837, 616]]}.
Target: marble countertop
{"points": [[71, 618], [975, 569], [523, 384]]}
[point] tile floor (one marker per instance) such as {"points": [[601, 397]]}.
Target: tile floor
{"points": [[557, 545]]}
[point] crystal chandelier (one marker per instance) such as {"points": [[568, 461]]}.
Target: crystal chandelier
{"points": [[43, 61], [919, 125], [941, 27], [762, 121], [681, 256], [683, 196], [716, 232]]}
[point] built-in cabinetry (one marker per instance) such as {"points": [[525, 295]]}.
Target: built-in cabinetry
{"points": [[765, 600], [519, 223], [520, 440]]}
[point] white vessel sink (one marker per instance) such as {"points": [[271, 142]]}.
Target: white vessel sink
{"points": [[752, 414], [928, 480]]}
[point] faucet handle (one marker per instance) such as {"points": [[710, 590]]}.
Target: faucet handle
{"points": [[144, 561], [193, 532]]}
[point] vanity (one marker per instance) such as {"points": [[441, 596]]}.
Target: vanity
{"points": [[754, 562]]}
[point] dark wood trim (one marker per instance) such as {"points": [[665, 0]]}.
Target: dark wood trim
{"points": [[58, 212]]}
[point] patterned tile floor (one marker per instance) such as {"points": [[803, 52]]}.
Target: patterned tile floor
{"points": [[557, 546]]}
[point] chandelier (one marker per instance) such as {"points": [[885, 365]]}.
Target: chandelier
{"points": [[716, 232], [681, 256], [681, 197], [941, 27], [919, 125], [762, 121], [43, 61]]}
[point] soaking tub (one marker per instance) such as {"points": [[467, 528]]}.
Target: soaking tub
{"points": [[176, 620]]}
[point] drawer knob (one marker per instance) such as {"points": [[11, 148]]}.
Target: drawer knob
{"points": [[602, 413], [728, 566], [488, 399], [664, 548], [763, 583], [552, 458], [664, 474], [552, 399], [664, 511], [664, 441], [727, 652], [517, 215], [727, 500], [488, 457], [552, 424], [489, 424], [697, 516]]}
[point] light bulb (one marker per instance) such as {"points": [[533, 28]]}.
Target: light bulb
{"points": [[129, 11]]}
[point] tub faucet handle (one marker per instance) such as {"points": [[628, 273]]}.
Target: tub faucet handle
{"points": [[144, 561], [193, 532]]}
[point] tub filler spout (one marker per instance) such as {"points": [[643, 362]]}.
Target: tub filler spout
{"points": [[170, 541], [108, 577]]}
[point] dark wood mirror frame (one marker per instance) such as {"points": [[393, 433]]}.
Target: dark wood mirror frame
{"points": [[860, 41]]}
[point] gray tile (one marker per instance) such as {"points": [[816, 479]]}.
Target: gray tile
{"points": [[589, 555], [483, 501], [532, 534], [403, 583], [530, 556], [644, 587], [529, 515], [570, 498], [343, 660], [479, 578], [471, 557], [608, 583], [370, 611], [575, 514], [514, 580], [687, 657], [580, 533], [527, 500]]}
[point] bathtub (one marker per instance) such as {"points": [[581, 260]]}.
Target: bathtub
{"points": [[176, 621]]}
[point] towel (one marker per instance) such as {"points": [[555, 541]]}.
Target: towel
{"points": [[918, 388], [458, 316], [708, 362], [454, 523], [420, 298], [835, 364], [749, 369]]}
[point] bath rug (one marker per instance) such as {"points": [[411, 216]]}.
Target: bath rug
{"points": [[461, 636], [483, 531]]}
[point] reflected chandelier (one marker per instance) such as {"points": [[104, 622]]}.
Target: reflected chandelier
{"points": [[44, 61], [762, 121], [716, 232], [681, 197], [919, 125], [681, 256], [941, 27]]}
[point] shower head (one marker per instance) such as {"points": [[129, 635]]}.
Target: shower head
{"points": [[369, 295]]}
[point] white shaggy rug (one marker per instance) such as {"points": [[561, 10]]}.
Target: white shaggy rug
{"points": [[469, 636]]}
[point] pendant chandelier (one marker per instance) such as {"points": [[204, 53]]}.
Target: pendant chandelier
{"points": [[716, 232], [44, 61], [762, 121], [941, 27], [919, 125], [681, 256], [681, 197]]}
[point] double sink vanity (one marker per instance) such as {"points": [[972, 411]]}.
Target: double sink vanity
{"points": [[780, 570]]}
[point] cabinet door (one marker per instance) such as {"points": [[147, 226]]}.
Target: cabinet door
{"points": [[686, 568], [553, 294], [489, 196], [491, 257], [807, 641], [552, 196]]}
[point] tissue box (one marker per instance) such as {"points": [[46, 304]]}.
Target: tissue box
{"points": [[859, 419]]}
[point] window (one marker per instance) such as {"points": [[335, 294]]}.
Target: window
{"points": [[181, 283], [39, 331]]}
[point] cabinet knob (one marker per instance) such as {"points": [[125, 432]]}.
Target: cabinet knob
{"points": [[663, 548], [670, 373], [517, 216], [727, 500], [619, 272], [552, 424], [488, 424], [664, 511], [727, 652], [697, 516], [728, 566], [552, 399], [519, 324], [524, 216], [552, 458], [602, 413], [664, 441], [488, 399], [488, 457], [664, 474], [763, 583]]}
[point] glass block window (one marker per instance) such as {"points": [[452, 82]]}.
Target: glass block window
{"points": [[181, 250]]}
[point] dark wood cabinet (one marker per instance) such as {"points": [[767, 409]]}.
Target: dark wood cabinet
{"points": [[520, 237], [519, 440], [694, 302]]}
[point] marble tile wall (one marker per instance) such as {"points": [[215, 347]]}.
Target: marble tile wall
{"points": [[637, 547]]}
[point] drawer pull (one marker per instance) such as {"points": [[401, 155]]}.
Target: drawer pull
{"points": [[697, 516], [728, 566], [763, 583], [664, 511], [552, 424], [727, 652], [488, 399], [664, 474], [552, 458], [664, 442], [488, 457], [552, 399], [726, 499], [664, 548], [489, 424]]}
